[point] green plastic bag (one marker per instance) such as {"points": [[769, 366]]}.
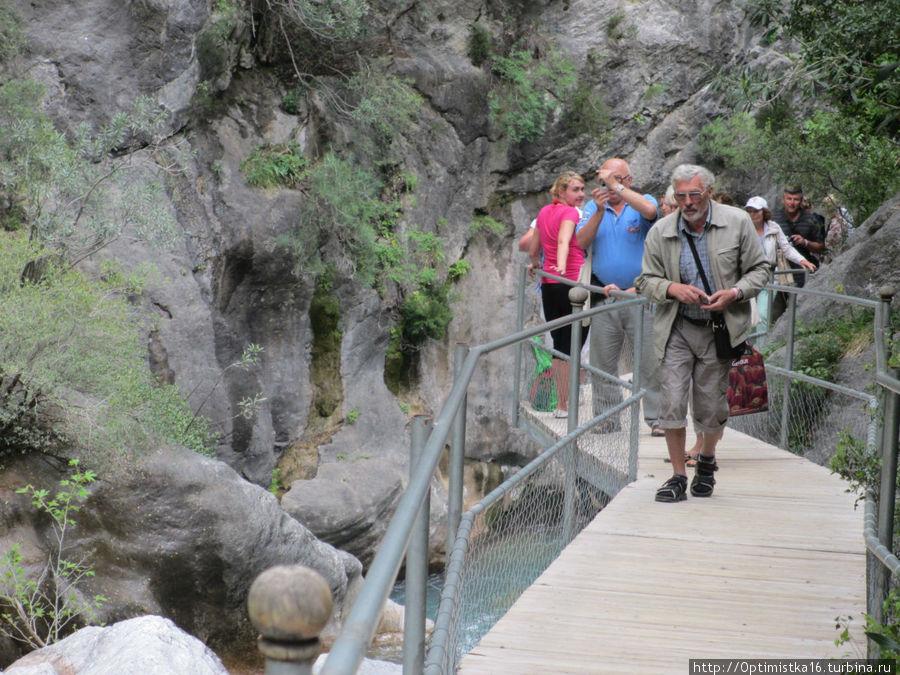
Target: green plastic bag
{"points": [[543, 391]]}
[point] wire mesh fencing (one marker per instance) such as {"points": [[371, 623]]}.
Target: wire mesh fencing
{"points": [[807, 419], [510, 537]]}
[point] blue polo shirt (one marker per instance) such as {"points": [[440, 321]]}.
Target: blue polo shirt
{"points": [[619, 245]]}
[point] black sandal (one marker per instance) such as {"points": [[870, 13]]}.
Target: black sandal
{"points": [[673, 490], [704, 479]]}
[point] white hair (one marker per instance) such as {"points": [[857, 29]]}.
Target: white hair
{"points": [[685, 172]]}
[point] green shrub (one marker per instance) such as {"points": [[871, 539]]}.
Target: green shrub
{"points": [[12, 37], [855, 464], [484, 223], [587, 113], [458, 270], [290, 102], [73, 196], [341, 221], [425, 313], [279, 165], [331, 21], [38, 612], [479, 47], [529, 91], [49, 360]]}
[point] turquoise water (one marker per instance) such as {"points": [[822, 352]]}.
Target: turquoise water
{"points": [[432, 594]]}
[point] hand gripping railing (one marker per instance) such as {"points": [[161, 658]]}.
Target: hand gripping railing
{"points": [[349, 649]]}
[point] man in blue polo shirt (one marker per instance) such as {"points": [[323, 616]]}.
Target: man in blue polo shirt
{"points": [[614, 226]]}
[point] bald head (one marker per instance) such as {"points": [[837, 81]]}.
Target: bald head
{"points": [[618, 168]]}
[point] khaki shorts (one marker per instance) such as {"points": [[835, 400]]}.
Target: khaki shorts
{"points": [[691, 370]]}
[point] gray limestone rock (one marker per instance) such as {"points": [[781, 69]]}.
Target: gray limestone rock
{"points": [[177, 535], [145, 644]]}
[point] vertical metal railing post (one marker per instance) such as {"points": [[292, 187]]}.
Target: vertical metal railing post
{"points": [[637, 383], [788, 365], [457, 456], [577, 296], [888, 448], [416, 564], [520, 324]]}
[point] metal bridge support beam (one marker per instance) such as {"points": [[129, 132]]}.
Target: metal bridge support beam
{"points": [[416, 563], [890, 405], [788, 365], [458, 454], [520, 324], [636, 384], [577, 296], [289, 605]]}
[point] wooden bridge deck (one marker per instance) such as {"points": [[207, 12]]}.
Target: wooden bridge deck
{"points": [[760, 570]]}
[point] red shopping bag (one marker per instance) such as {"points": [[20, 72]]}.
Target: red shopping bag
{"points": [[747, 391]]}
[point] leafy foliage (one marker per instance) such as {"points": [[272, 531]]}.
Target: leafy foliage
{"points": [[479, 44], [38, 612], [383, 105], [327, 20], [72, 195], [340, 221], [587, 113], [827, 153], [12, 37], [530, 89], [425, 313], [847, 71], [279, 165], [484, 223], [848, 53], [103, 400]]}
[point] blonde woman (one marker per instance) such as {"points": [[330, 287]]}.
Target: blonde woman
{"points": [[555, 236]]}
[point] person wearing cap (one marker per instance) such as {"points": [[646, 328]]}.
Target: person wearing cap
{"points": [[704, 258], [773, 240], [614, 225], [802, 229]]}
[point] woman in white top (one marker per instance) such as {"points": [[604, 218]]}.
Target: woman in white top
{"points": [[772, 239]]}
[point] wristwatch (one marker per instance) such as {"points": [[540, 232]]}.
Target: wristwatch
{"points": [[619, 189]]}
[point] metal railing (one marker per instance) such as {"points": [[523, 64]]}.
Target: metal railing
{"points": [[350, 647], [564, 472], [876, 418]]}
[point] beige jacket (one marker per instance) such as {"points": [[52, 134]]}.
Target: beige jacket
{"points": [[736, 258]]}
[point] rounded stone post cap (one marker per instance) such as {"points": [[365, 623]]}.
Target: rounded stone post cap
{"points": [[289, 603], [578, 295], [886, 293]]}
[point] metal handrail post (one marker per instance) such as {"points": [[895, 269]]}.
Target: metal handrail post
{"points": [[520, 324], [788, 365], [416, 563], [457, 455], [891, 428], [577, 296], [637, 383]]}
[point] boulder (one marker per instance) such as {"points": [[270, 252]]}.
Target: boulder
{"points": [[178, 535], [144, 644]]}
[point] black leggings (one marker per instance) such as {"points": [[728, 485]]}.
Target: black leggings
{"points": [[555, 299]]}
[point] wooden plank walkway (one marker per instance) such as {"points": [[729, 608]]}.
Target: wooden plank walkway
{"points": [[760, 570]]}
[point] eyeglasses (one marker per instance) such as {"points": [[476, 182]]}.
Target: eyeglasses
{"points": [[685, 196]]}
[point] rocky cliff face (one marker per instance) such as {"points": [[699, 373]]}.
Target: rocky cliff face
{"points": [[227, 283]]}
